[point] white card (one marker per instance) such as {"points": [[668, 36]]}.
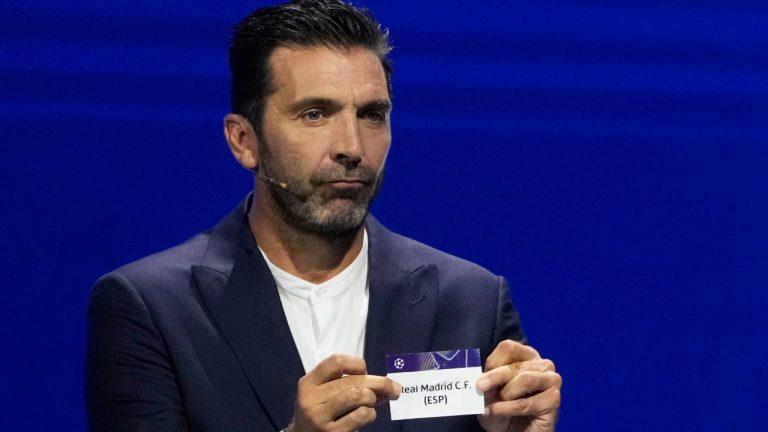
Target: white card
{"points": [[436, 384]]}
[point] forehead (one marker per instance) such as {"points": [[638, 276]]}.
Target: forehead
{"points": [[320, 71]]}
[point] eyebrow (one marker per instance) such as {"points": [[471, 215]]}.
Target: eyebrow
{"points": [[305, 103], [381, 105], [333, 105]]}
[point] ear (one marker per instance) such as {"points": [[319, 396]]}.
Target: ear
{"points": [[242, 141]]}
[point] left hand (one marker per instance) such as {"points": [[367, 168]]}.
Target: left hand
{"points": [[522, 390]]}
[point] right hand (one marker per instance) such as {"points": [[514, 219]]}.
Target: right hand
{"points": [[337, 395]]}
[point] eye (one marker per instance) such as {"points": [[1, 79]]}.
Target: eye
{"points": [[375, 116], [313, 115]]}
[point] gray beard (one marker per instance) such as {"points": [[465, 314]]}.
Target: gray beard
{"points": [[302, 209], [302, 212]]}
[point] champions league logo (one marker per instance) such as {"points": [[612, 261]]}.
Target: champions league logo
{"points": [[433, 360]]}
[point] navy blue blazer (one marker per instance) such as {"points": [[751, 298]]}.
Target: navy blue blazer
{"points": [[194, 338]]}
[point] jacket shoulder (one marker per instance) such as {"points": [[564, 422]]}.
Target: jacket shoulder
{"points": [[161, 270], [405, 253]]}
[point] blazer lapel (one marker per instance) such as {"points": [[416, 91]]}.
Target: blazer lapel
{"points": [[402, 308], [241, 296], [401, 314]]}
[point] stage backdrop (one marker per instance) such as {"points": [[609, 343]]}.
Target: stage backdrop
{"points": [[608, 157]]}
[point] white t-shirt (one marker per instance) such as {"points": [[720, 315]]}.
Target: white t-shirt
{"points": [[330, 317]]}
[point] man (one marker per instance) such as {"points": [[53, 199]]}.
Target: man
{"points": [[280, 317]]}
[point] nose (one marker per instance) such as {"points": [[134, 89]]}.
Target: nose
{"points": [[347, 148]]}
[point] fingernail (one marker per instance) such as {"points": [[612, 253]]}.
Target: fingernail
{"points": [[398, 388], [483, 384], [487, 412]]}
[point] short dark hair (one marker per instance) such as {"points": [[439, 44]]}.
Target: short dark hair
{"points": [[331, 23]]}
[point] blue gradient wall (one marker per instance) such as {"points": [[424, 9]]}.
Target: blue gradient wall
{"points": [[608, 158]]}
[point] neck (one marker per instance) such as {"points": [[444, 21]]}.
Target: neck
{"points": [[311, 257]]}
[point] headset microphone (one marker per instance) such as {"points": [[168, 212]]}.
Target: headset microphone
{"points": [[269, 180], [273, 182]]}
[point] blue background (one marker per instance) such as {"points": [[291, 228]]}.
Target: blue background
{"points": [[608, 157]]}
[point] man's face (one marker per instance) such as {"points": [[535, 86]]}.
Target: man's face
{"points": [[326, 135]]}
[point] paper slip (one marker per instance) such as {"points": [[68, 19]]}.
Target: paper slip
{"points": [[436, 384]]}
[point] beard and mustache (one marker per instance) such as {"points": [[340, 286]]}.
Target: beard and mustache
{"points": [[320, 208]]}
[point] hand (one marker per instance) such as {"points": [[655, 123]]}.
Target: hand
{"points": [[522, 390], [337, 395]]}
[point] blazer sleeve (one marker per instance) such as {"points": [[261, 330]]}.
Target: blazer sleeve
{"points": [[129, 380], [507, 319]]}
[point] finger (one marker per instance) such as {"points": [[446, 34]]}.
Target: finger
{"points": [[509, 351], [334, 367], [543, 405], [336, 398], [497, 377], [355, 419], [383, 387], [528, 383], [539, 365], [348, 400], [502, 375], [356, 392]]}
